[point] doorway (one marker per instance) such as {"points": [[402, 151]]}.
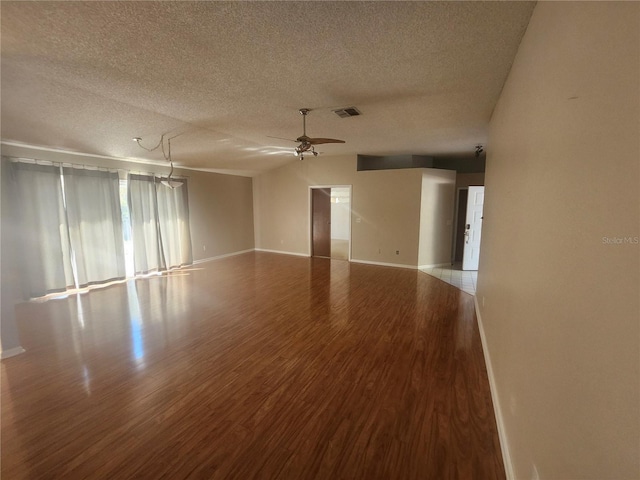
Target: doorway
{"points": [[458, 234], [331, 221]]}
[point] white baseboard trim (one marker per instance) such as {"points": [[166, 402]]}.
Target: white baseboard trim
{"points": [[384, 264], [502, 433], [435, 265], [203, 260], [12, 352], [282, 252]]}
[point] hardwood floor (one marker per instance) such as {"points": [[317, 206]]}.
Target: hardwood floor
{"points": [[254, 366]]}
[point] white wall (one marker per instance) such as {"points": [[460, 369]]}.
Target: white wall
{"points": [[560, 306]]}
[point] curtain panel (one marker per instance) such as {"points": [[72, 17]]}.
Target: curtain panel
{"points": [[159, 224], [145, 228], [173, 215], [43, 229], [71, 226], [95, 224]]}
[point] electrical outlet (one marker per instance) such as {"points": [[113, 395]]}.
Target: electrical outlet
{"points": [[204, 248], [397, 252], [483, 300]]}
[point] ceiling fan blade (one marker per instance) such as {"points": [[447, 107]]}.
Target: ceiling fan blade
{"points": [[280, 138], [318, 141]]}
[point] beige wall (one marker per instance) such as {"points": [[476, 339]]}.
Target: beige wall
{"points": [[469, 179], [385, 208], [221, 214], [436, 216], [388, 204], [560, 308], [281, 209]]}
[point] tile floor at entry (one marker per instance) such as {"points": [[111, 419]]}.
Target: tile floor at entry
{"points": [[465, 280]]}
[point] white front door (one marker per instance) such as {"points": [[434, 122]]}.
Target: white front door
{"points": [[473, 228]]}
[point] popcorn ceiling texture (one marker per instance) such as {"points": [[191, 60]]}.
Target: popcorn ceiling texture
{"points": [[89, 76]]}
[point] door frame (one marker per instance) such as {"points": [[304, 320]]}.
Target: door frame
{"points": [[310, 216]]}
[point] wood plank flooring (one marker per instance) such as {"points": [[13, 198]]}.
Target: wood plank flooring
{"points": [[257, 366]]}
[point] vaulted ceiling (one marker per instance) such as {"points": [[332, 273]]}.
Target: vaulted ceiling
{"points": [[227, 76]]}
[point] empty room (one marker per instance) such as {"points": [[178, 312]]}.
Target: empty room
{"points": [[320, 240]]}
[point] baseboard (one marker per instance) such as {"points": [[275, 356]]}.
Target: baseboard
{"points": [[282, 252], [12, 352], [502, 433], [203, 260], [384, 264], [435, 265]]}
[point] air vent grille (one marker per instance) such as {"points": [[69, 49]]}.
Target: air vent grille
{"points": [[347, 112]]}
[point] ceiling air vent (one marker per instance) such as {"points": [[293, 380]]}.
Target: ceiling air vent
{"points": [[347, 112]]}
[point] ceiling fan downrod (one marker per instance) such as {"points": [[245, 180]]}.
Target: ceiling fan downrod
{"points": [[304, 112]]}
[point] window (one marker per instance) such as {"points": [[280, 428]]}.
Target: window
{"points": [[83, 226]]}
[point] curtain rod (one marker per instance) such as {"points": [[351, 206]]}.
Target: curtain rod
{"points": [[34, 161]]}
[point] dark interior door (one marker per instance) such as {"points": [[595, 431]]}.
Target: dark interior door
{"points": [[321, 222]]}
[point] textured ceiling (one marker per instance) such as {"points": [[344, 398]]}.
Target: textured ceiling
{"points": [[89, 76]]}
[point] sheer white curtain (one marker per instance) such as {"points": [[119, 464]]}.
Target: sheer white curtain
{"points": [[43, 229], [71, 226], [143, 211], [159, 224], [173, 216], [95, 224]]}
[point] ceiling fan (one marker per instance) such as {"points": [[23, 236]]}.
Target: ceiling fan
{"points": [[307, 144]]}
